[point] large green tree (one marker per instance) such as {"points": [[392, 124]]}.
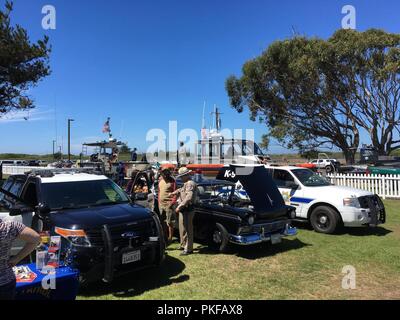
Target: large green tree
{"points": [[22, 64], [312, 92]]}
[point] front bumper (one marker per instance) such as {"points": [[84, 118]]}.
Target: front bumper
{"points": [[372, 213], [104, 259], [263, 236], [96, 264]]}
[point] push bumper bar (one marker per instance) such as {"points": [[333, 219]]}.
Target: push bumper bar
{"points": [[110, 255]]}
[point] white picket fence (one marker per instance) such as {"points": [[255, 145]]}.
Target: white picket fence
{"points": [[386, 186]]}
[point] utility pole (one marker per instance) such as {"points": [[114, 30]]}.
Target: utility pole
{"points": [[69, 138]]}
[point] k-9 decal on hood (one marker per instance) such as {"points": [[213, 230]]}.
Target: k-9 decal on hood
{"points": [[261, 189]]}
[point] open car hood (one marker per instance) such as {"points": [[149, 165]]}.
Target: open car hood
{"points": [[261, 189]]}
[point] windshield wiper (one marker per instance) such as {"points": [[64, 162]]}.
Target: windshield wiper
{"points": [[90, 205], [108, 203], [69, 208]]}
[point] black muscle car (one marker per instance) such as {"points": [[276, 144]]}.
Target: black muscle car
{"points": [[253, 213]]}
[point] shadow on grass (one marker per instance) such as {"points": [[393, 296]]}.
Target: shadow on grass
{"points": [[365, 231], [263, 250], [260, 250], [352, 231], [136, 283]]}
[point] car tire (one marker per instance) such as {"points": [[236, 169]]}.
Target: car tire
{"points": [[324, 219], [219, 238], [329, 169]]}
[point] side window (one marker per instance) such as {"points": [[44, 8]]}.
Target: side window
{"points": [[5, 200], [6, 186], [16, 188], [282, 177], [270, 172]]}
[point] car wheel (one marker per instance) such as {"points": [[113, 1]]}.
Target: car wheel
{"points": [[324, 219], [329, 169], [218, 238]]}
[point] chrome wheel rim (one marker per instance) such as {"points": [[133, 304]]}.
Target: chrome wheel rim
{"points": [[217, 237]]}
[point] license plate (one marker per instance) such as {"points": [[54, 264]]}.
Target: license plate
{"points": [[130, 257], [276, 238]]}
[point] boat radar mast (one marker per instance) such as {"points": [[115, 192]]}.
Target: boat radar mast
{"points": [[215, 131]]}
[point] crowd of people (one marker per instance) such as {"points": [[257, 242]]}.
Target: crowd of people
{"points": [[178, 205], [175, 206]]}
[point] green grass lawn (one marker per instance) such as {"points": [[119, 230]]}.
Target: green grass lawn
{"points": [[306, 267]]}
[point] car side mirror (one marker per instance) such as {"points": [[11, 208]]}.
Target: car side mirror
{"points": [[15, 212], [43, 209], [19, 210], [292, 185]]}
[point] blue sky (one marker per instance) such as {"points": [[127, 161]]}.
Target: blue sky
{"points": [[143, 63]]}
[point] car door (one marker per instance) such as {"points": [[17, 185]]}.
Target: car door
{"points": [[284, 181]]}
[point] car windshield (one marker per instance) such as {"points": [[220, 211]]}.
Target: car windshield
{"points": [[214, 192], [82, 194], [310, 179]]}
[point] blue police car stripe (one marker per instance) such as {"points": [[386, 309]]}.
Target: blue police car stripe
{"points": [[301, 200]]}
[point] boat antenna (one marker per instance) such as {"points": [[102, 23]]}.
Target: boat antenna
{"points": [[217, 123], [203, 124], [218, 120]]}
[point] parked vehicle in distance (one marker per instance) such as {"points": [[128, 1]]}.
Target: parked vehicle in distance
{"points": [[12, 162], [329, 165], [33, 163], [223, 217], [43, 163], [104, 234], [324, 205]]}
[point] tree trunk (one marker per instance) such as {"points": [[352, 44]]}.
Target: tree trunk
{"points": [[350, 156]]}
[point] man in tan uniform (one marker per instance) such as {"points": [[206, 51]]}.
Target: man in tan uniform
{"points": [[187, 198]]}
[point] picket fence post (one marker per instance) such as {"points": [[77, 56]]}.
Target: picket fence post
{"points": [[386, 186]]}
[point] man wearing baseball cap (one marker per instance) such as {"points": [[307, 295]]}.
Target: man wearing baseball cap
{"points": [[187, 198]]}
